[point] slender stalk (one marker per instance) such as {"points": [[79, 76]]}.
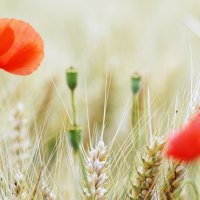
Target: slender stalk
{"points": [[74, 125], [37, 184], [135, 87], [135, 119], [84, 174], [73, 108], [77, 179]]}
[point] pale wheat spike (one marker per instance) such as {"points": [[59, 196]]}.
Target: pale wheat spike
{"points": [[173, 181], [96, 172], [18, 149], [147, 174], [18, 139]]}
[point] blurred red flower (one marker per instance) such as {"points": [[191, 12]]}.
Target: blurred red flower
{"points": [[21, 47], [184, 145]]}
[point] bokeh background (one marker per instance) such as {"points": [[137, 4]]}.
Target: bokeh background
{"points": [[154, 38]]}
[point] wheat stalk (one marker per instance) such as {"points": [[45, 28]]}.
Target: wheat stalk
{"points": [[96, 172], [147, 174]]}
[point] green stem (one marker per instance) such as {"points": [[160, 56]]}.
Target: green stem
{"points": [[79, 152], [73, 108], [37, 184], [135, 119], [77, 178], [84, 174]]}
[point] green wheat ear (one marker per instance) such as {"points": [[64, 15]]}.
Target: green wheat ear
{"points": [[148, 172], [173, 180]]}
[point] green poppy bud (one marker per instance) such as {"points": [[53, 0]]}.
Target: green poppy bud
{"points": [[135, 83], [75, 137], [72, 78]]}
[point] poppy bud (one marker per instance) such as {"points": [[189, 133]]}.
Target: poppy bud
{"points": [[135, 83], [75, 137], [72, 78]]}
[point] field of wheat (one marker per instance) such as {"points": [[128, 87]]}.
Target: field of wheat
{"points": [[99, 100]]}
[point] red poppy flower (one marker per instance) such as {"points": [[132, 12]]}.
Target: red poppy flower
{"points": [[185, 144], [21, 47]]}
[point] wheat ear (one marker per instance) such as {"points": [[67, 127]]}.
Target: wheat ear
{"points": [[19, 148], [173, 180], [19, 142], [96, 172], [147, 174]]}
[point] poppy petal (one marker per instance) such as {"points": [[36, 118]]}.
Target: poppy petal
{"points": [[185, 143], [20, 62], [6, 39], [27, 50]]}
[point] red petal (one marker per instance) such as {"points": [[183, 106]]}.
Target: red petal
{"points": [[6, 38], [27, 50], [185, 144]]}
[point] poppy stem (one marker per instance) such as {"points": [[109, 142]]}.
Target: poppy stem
{"points": [[73, 108], [135, 114], [135, 87], [85, 175], [135, 119], [75, 131]]}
